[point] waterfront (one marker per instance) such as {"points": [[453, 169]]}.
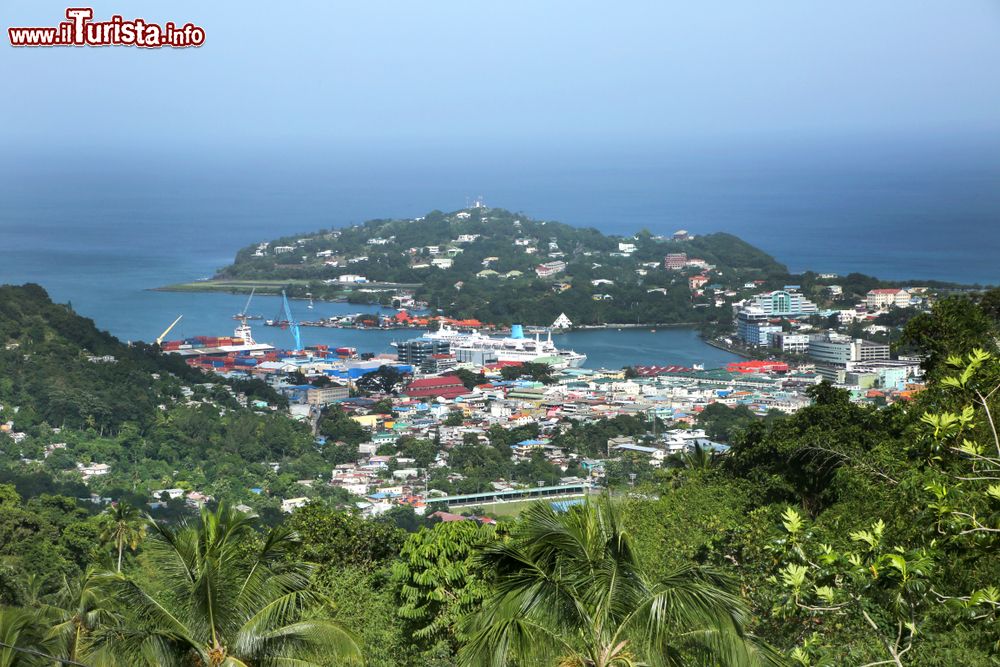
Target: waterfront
{"points": [[211, 314]]}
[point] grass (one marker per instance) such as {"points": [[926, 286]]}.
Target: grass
{"points": [[263, 286], [233, 285]]}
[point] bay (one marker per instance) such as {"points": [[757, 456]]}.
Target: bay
{"points": [[102, 234]]}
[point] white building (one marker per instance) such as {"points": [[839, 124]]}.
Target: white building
{"points": [[885, 298], [93, 470], [550, 269], [290, 505], [562, 322], [784, 303], [790, 343]]}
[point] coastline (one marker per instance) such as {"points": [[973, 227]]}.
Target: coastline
{"points": [[274, 287]]}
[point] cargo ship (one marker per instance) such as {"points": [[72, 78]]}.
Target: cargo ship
{"points": [[199, 346]]}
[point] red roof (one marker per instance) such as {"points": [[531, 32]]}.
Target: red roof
{"points": [[447, 386], [504, 364], [885, 290], [429, 383], [757, 367]]}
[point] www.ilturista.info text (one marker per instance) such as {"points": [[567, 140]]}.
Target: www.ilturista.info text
{"points": [[81, 30]]}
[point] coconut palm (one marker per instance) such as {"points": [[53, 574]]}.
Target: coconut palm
{"points": [[78, 609], [22, 639], [126, 528], [696, 458], [569, 591], [230, 598]]}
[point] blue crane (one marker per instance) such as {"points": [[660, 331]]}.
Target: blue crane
{"points": [[292, 324]]}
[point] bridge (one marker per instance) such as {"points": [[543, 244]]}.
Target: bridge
{"points": [[511, 495]]}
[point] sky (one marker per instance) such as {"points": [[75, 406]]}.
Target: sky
{"points": [[377, 76]]}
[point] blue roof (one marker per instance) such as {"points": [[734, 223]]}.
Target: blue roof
{"points": [[529, 442], [564, 505]]}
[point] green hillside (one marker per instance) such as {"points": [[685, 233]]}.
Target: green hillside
{"points": [[155, 421], [482, 263]]}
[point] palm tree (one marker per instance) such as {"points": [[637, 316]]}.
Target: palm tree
{"points": [[22, 639], [79, 608], [569, 591], [230, 598], [126, 528], [697, 458]]}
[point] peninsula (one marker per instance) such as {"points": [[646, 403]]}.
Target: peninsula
{"points": [[501, 267]]}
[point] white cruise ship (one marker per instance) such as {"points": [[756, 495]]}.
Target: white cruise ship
{"points": [[513, 348]]}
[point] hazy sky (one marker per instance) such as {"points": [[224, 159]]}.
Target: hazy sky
{"points": [[382, 73]]}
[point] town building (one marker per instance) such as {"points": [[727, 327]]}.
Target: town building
{"points": [[448, 386], [784, 303], [326, 395], [438, 363], [675, 261], [414, 352], [550, 269], [696, 282], [839, 350], [754, 327], [790, 343], [886, 298], [351, 278], [562, 322]]}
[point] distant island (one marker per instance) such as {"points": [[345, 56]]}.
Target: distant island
{"points": [[501, 267]]}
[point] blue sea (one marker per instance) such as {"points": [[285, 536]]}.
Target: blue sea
{"points": [[101, 233]]}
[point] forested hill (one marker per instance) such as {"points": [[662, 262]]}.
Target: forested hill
{"points": [[483, 263], [58, 368], [72, 396]]}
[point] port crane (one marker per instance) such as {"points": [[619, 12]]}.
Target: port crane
{"points": [[159, 339], [243, 315], [292, 324]]}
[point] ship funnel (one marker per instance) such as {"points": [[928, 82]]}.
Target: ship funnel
{"points": [[516, 331]]}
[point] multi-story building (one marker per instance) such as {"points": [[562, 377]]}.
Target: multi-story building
{"points": [[696, 282], [784, 303], [438, 363], [676, 260], [884, 298], [754, 327], [839, 350], [550, 269], [326, 395], [414, 352], [790, 343]]}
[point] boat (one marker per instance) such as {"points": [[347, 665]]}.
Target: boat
{"points": [[241, 341], [511, 348]]}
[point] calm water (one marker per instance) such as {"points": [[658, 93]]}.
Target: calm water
{"points": [[101, 235]]}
